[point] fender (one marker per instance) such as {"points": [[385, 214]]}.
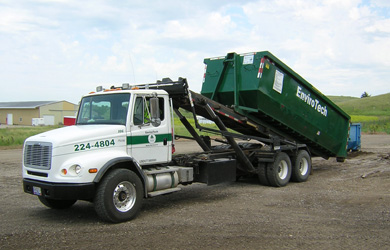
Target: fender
{"points": [[129, 163]]}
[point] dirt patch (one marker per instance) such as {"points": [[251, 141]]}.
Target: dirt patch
{"points": [[354, 154], [341, 206]]}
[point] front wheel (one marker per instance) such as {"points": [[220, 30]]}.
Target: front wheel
{"points": [[279, 172], [119, 196]]}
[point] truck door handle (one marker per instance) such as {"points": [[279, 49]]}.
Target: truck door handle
{"points": [[165, 141]]}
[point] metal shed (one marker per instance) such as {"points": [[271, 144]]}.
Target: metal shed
{"points": [[22, 113]]}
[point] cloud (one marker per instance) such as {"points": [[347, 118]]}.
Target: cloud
{"points": [[69, 47], [323, 36]]}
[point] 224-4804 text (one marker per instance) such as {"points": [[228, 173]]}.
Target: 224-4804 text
{"points": [[98, 144]]}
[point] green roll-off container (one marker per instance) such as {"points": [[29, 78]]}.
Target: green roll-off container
{"points": [[277, 99]]}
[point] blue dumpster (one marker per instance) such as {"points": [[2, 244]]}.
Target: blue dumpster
{"points": [[354, 139]]}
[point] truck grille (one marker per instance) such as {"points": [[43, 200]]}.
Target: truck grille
{"points": [[37, 155]]}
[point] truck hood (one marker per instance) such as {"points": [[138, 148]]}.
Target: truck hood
{"points": [[78, 134]]}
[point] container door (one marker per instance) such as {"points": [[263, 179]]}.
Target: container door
{"points": [[149, 142]]}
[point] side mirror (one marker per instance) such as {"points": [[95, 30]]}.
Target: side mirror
{"points": [[155, 111]]}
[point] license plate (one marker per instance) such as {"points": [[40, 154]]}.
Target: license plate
{"points": [[37, 191]]}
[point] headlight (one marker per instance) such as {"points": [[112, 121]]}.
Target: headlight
{"points": [[72, 171], [77, 169]]}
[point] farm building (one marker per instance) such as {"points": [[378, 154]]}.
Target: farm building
{"points": [[27, 113]]}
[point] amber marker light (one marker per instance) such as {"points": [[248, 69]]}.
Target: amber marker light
{"points": [[92, 170]]}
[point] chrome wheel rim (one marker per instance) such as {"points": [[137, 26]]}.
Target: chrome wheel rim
{"points": [[303, 166], [124, 196], [283, 170]]}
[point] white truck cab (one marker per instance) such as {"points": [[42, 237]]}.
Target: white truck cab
{"points": [[105, 156]]}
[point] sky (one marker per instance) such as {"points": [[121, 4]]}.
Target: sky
{"points": [[52, 50]]}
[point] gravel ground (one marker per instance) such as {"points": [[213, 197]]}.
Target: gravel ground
{"points": [[341, 206]]}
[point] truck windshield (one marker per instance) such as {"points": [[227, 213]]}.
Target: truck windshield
{"points": [[104, 109]]}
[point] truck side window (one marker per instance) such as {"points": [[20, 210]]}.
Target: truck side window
{"points": [[138, 117], [142, 110]]}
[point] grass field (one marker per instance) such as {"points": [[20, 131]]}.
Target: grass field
{"points": [[372, 112], [181, 130], [15, 136], [369, 106]]}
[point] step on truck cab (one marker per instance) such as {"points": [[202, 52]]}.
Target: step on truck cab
{"points": [[120, 151]]}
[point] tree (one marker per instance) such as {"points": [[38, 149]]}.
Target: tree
{"points": [[365, 94]]}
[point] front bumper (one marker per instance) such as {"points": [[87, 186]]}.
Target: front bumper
{"points": [[60, 191]]}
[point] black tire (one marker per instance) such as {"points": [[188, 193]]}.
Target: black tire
{"points": [[56, 204], [262, 173], [119, 196], [301, 168], [279, 172]]}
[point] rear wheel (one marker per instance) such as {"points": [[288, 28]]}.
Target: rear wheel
{"points": [[262, 173], [56, 204], [279, 172], [119, 196], [302, 167]]}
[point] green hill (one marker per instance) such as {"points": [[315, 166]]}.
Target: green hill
{"points": [[372, 106], [341, 99], [373, 112]]}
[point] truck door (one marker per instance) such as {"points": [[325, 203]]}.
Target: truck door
{"points": [[149, 142]]}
